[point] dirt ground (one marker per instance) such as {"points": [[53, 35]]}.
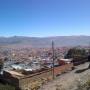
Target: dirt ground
{"points": [[69, 80]]}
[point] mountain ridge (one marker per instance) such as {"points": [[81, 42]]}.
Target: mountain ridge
{"points": [[60, 41]]}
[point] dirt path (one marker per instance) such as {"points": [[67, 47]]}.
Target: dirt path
{"points": [[69, 81]]}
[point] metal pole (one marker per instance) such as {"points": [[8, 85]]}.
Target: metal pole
{"points": [[53, 55]]}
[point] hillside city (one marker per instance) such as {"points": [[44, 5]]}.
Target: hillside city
{"points": [[44, 44], [31, 68]]}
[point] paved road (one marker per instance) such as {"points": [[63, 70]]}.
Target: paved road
{"points": [[69, 81]]}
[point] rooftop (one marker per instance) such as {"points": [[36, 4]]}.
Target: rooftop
{"points": [[15, 73]]}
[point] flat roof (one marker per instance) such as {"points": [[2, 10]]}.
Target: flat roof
{"points": [[15, 74], [67, 60]]}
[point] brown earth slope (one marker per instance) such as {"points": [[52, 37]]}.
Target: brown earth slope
{"points": [[70, 80]]}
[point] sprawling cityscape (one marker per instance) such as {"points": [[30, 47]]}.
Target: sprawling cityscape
{"points": [[30, 68], [44, 45]]}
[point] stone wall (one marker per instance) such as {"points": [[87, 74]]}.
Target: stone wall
{"points": [[35, 81]]}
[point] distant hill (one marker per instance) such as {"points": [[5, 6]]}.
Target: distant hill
{"points": [[20, 41]]}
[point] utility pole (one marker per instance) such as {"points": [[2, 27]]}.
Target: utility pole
{"points": [[89, 56], [53, 56]]}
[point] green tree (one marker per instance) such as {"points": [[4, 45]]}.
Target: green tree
{"points": [[74, 52], [1, 64]]}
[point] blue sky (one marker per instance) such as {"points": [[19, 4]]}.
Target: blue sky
{"points": [[40, 18]]}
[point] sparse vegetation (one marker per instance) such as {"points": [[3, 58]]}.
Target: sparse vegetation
{"points": [[85, 86], [6, 87]]}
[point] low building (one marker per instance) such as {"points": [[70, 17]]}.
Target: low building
{"points": [[65, 61], [27, 82], [32, 81]]}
